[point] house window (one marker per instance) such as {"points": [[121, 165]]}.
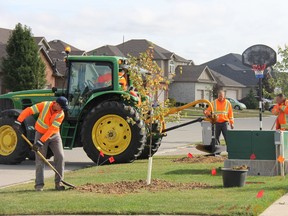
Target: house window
{"points": [[171, 67]]}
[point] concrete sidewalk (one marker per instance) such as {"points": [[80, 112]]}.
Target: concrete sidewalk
{"points": [[279, 207]]}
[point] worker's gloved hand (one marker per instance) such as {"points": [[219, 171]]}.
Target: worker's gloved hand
{"points": [[37, 145], [17, 125]]}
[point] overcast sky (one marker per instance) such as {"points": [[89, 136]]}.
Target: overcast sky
{"points": [[200, 30]]}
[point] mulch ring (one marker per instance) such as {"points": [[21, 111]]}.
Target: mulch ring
{"points": [[125, 187], [201, 159]]}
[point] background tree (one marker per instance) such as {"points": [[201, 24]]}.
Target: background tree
{"points": [[250, 100], [280, 71], [23, 68], [269, 85]]}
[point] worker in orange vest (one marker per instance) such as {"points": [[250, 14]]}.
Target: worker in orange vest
{"points": [[281, 111], [224, 112], [47, 134]]}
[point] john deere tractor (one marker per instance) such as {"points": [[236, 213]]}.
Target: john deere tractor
{"points": [[104, 114], [97, 119]]}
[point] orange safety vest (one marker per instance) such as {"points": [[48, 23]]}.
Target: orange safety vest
{"points": [[223, 110], [281, 121], [48, 122]]}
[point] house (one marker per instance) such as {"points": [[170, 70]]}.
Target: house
{"points": [[57, 54], [235, 78], [52, 54], [192, 82], [168, 61]]}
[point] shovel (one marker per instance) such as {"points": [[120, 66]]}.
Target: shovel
{"points": [[47, 162]]}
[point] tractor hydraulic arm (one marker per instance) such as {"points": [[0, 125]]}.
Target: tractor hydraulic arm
{"points": [[178, 109]]}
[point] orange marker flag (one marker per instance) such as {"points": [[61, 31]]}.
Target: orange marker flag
{"points": [[252, 156], [102, 154], [213, 172], [281, 159], [190, 155], [111, 159], [260, 194]]}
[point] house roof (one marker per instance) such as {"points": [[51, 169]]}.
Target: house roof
{"points": [[107, 50], [192, 73], [136, 46], [4, 35], [231, 66], [61, 45], [225, 81]]}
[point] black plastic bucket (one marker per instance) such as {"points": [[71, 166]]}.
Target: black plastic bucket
{"points": [[233, 178]]}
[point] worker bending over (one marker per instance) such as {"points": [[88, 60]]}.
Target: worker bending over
{"points": [[281, 110], [47, 135], [224, 113]]}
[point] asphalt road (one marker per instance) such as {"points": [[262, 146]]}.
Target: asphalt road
{"points": [[176, 142]]}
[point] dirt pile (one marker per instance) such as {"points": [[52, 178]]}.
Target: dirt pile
{"points": [[201, 159], [124, 187]]}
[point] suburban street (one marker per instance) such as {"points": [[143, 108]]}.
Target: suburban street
{"points": [[176, 142]]}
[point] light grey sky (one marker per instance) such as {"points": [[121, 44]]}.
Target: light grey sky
{"points": [[200, 30]]}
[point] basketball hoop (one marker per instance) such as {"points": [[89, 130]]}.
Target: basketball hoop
{"points": [[258, 57], [259, 70]]}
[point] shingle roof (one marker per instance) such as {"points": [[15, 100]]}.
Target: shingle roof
{"points": [[225, 81], [4, 35], [192, 73], [136, 46], [107, 50], [231, 66], [61, 45]]}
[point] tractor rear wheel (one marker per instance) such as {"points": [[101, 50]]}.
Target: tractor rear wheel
{"points": [[13, 149], [116, 130], [156, 141]]}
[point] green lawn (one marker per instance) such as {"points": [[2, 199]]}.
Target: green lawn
{"points": [[196, 112], [216, 200]]}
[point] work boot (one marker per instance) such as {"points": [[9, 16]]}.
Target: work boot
{"points": [[38, 188], [59, 186]]}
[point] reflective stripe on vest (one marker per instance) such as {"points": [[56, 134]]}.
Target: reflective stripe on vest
{"points": [[216, 111], [35, 109], [43, 114], [55, 123], [284, 125]]}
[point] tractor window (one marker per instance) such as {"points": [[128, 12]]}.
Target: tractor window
{"points": [[90, 76]]}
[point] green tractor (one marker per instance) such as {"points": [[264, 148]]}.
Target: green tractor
{"points": [[97, 119]]}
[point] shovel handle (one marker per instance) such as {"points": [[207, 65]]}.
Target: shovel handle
{"points": [[47, 162]]}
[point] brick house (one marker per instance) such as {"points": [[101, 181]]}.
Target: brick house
{"points": [[168, 61]]}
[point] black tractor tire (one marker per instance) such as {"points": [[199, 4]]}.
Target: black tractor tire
{"points": [[8, 133], [156, 142], [135, 127]]}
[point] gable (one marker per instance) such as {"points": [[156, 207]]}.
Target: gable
{"points": [[206, 76]]}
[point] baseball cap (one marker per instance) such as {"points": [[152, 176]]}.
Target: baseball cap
{"points": [[63, 102]]}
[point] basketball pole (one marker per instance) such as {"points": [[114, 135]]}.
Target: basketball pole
{"points": [[260, 103]]}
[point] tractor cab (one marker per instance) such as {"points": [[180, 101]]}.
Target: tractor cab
{"points": [[91, 76]]}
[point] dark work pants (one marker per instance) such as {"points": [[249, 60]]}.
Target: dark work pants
{"points": [[221, 127]]}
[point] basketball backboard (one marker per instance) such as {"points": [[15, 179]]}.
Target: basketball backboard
{"points": [[259, 55]]}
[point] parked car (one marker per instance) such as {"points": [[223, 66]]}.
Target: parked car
{"points": [[236, 104]]}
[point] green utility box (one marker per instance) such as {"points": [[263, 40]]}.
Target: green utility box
{"points": [[265, 147], [241, 144]]}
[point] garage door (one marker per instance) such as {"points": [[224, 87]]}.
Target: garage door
{"points": [[231, 94]]}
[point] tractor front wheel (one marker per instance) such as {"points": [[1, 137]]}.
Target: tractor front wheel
{"points": [[13, 149], [113, 129]]}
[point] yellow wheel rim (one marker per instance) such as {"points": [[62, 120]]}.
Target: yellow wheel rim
{"points": [[8, 140], [111, 134]]}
